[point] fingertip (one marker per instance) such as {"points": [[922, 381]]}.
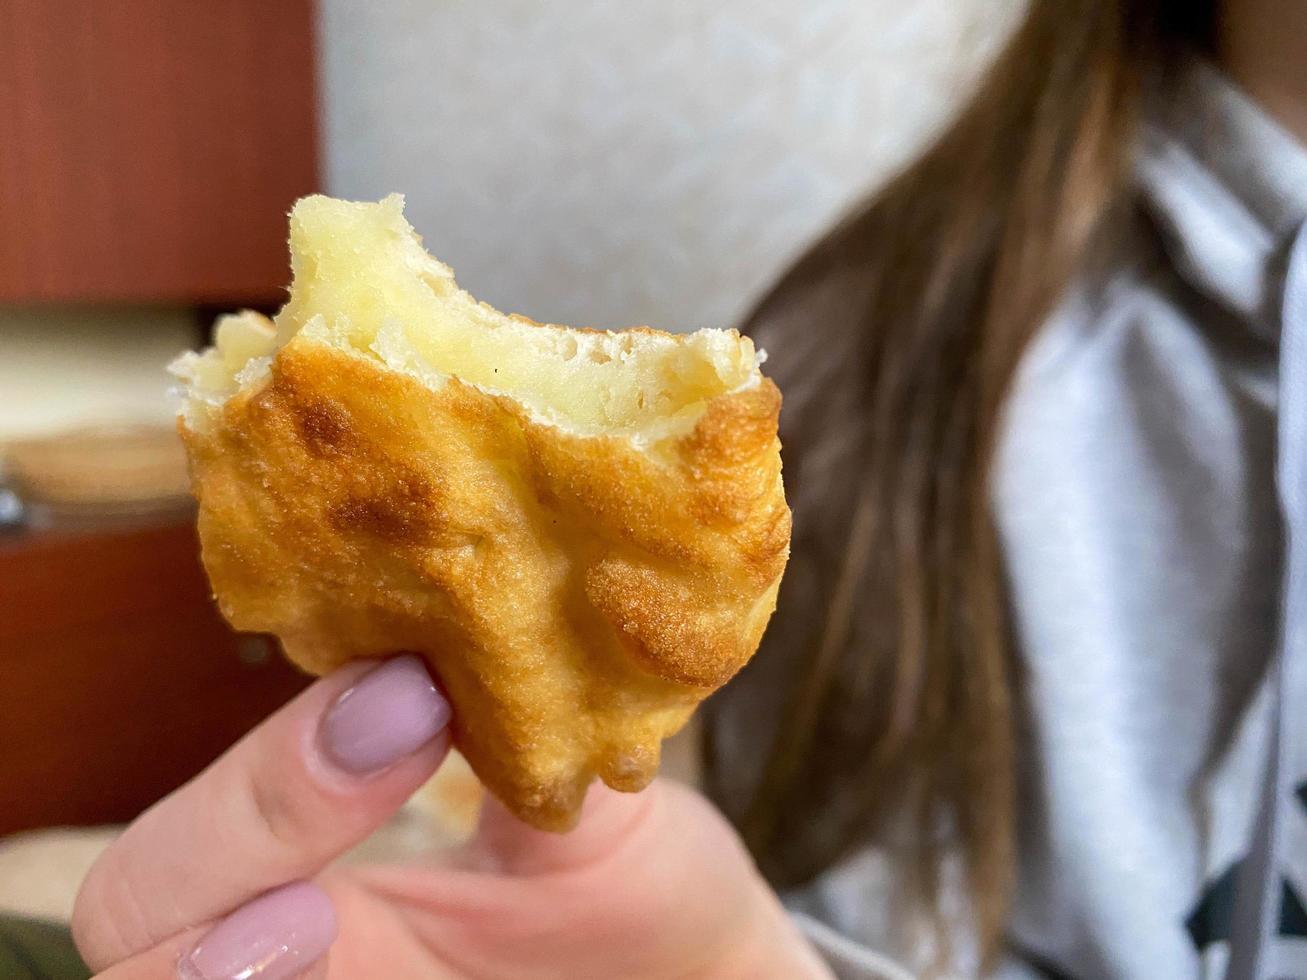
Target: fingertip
{"points": [[276, 936], [384, 716]]}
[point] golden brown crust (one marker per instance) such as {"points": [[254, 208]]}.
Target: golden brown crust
{"points": [[575, 595]]}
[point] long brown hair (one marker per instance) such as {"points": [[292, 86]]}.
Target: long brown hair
{"points": [[894, 340]]}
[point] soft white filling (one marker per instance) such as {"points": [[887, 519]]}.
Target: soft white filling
{"points": [[365, 286]]}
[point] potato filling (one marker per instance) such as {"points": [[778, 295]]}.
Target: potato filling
{"points": [[363, 283]]}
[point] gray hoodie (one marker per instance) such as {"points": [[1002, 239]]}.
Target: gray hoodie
{"points": [[1151, 497]]}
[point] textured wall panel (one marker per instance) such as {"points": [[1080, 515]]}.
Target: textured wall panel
{"points": [[637, 161]]}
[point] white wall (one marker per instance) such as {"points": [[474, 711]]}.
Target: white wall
{"points": [[69, 368], [603, 162]]}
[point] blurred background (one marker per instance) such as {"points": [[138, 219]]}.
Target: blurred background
{"points": [[655, 161]]}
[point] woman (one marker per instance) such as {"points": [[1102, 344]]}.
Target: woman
{"points": [[1028, 701]]}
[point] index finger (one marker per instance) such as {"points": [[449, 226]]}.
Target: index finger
{"points": [[305, 786]]}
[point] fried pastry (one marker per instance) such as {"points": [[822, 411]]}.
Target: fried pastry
{"points": [[582, 531]]}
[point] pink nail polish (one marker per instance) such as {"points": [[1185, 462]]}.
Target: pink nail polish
{"points": [[276, 936], [390, 713]]}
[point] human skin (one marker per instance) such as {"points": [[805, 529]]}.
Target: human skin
{"points": [[235, 872], [1263, 46]]}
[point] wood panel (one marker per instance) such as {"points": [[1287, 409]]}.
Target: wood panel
{"points": [[150, 149], [118, 678]]}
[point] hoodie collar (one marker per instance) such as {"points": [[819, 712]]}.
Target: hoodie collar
{"points": [[1227, 187]]}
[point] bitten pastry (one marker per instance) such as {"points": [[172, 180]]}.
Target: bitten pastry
{"points": [[582, 531]]}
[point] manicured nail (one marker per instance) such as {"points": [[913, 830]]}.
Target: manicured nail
{"points": [[391, 712], [276, 936]]}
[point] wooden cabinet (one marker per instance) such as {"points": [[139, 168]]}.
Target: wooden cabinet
{"points": [[118, 678], [149, 153], [150, 149]]}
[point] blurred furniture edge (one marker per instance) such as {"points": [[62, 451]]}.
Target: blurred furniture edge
{"points": [[119, 679], [149, 151], [97, 477]]}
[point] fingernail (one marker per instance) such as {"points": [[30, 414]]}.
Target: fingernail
{"points": [[276, 936], [391, 712]]}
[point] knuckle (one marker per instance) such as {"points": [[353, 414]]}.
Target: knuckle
{"points": [[82, 924], [278, 811], [108, 921]]}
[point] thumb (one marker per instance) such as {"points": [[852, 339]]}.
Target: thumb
{"points": [[505, 845], [650, 884]]}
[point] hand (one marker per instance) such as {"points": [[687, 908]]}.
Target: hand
{"points": [[231, 875]]}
